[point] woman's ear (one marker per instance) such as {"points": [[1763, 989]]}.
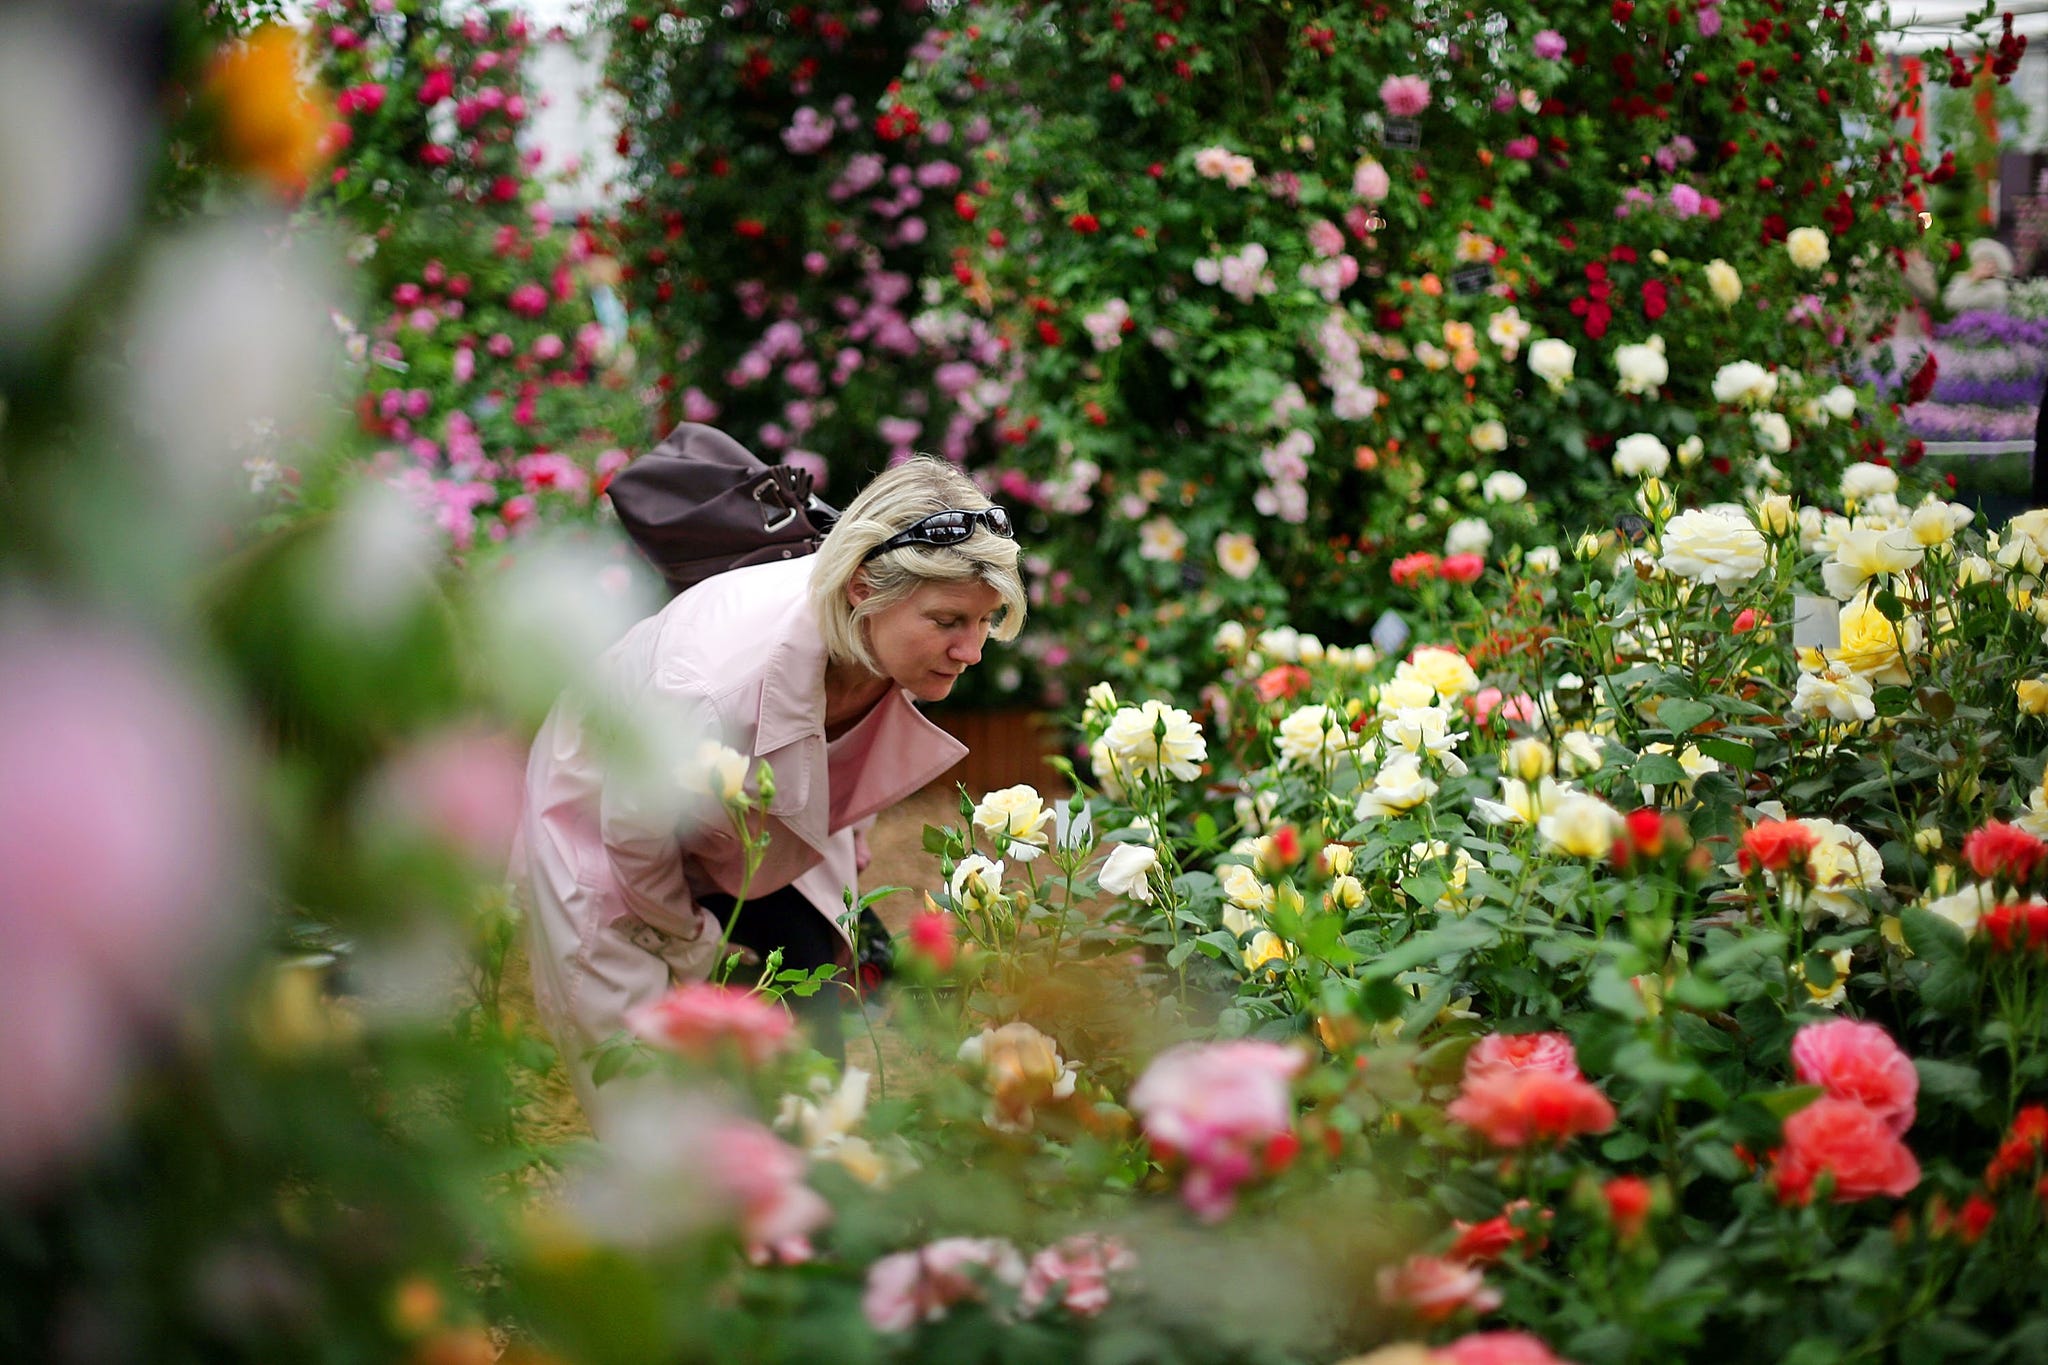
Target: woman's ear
{"points": [[858, 589]]}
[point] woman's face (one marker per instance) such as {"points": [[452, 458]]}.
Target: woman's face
{"points": [[926, 641]]}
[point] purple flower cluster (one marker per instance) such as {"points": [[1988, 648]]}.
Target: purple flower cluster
{"points": [[1933, 421]]}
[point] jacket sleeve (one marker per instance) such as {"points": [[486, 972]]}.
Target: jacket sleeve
{"points": [[646, 805]]}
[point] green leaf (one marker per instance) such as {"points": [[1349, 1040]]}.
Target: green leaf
{"points": [[1786, 1101], [1729, 751], [1680, 714], [1658, 770], [1455, 937], [937, 841], [1960, 1084]]}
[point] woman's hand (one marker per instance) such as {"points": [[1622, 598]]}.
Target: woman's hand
{"points": [[862, 854]]}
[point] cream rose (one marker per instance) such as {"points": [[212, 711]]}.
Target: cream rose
{"points": [[1398, 786], [1311, 734], [1843, 864], [1128, 871], [1580, 825], [1444, 671], [1489, 438], [1862, 554], [1551, 360], [1772, 431], [1835, 692], [1745, 382], [1641, 455], [1642, 367], [1156, 738], [1723, 283], [1808, 247], [1504, 485], [1020, 813], [1468, 536], [1713, 545]]}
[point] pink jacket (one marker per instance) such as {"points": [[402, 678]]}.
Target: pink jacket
{"points": [[610, 886]]}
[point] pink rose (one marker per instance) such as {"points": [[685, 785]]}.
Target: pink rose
{"points": [[463, 788], [547, 346], [116, 840], [1404, 96], [1498, 1348], [1522, 148], [1325, 238], [1436, 1289], [1549, 45], [1370, 182], [529, 300], [1498, 1053], [1858, 1061], [1849, 1142], [1218, 1105], [911, 1287], [1074, 1274], [761, 1178], [1515, 1109], [701, 1020]]}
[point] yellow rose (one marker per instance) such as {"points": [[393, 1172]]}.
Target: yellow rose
{"points": [[2033, 695], [1345, 893], [1336, 859], [1874, 647], [1018, 812], [1774, 515], [1808, 247], [1867, 553], [1266, 947], [1529, 759], [1445, 670]]}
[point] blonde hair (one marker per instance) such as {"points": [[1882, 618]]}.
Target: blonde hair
{"points": [[896, 499]]}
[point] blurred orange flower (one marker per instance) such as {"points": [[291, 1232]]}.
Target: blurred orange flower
{"points": [[272, 124]]}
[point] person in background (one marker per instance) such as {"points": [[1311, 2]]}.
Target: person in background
{"points": [[811, 667], [1984, 285]]}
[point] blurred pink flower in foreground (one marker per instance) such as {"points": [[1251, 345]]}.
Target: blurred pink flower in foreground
{"points": [[1221, 1106], [462, 787], [1498, 1348], [761, 1180], [114, 841], [923, 1285], [1075, 1274], [701, 1020]]}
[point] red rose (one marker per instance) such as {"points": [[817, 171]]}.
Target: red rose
{"points": [[1465, 568], [1850, 1143], [2017, 926], [1484, 1243], [1409, 570], [1084, 223], [2003, 852], [1628, 1205], [933, 936], [1775, 846]]}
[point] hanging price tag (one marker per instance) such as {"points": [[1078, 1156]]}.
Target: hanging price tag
{"points": [[1472, 279], [1816, 623], [1404, 133]]}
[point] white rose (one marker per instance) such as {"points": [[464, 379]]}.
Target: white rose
{"points": [[1468, 536], [1746, 382], [1713, 545], [977, 882], [1489, 437], [1551, 360], [1018, 812], [1835, 692], [1642, 368], [1864, 480], [1773, 432], [1867, 552], [1690, 451], [1542, 561], [1398, 786], [1128, 871], [1641, 454], [1808, 247], [1157, 738], [1839, 402], [1841, 865], [1310, 734], [1504, 485], [1230, 637]]}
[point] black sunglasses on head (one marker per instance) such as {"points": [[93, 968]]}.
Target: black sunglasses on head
{"points": [[947, 528]]}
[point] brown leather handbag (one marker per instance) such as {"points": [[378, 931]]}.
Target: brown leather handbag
{"points": [[701, 503]]}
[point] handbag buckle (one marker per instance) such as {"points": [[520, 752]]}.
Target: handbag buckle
{"points": [[782, 512]]}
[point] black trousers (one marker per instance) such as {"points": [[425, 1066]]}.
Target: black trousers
{"points": [[786, 919]]}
